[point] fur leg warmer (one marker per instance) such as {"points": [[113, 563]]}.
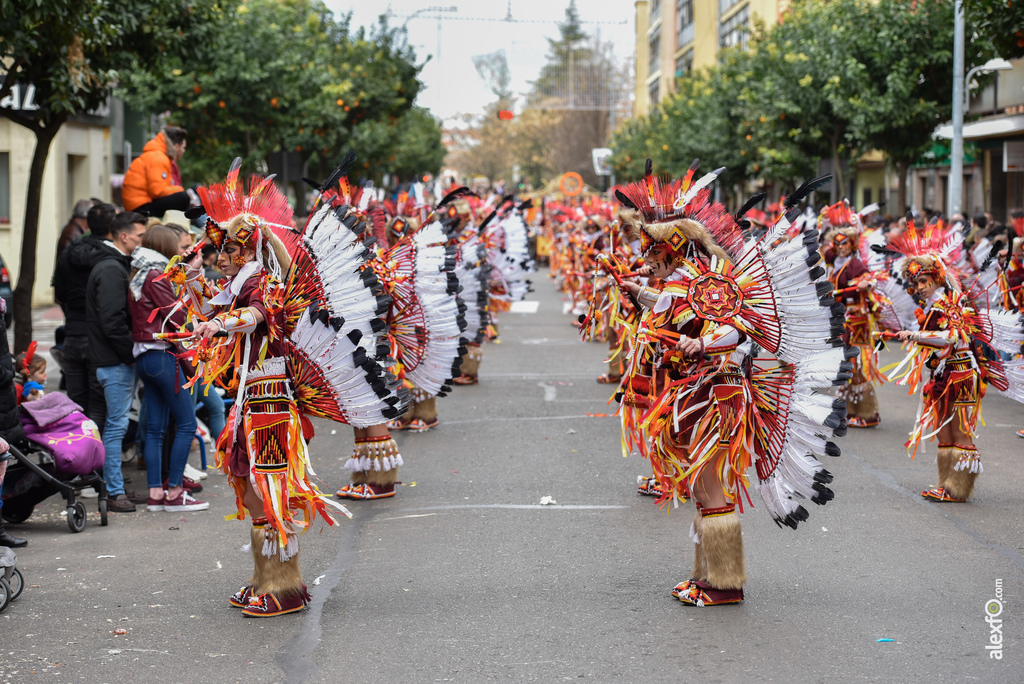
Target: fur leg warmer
{"points": [[282, 578], [471, 360], [966, 466], [425, 410], [945, 459], [700, 564], [721, 545], [375, 461]]}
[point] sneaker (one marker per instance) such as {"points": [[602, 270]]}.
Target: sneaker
{"points": [[195, 473], [88, 493], [188, 483], [120, 504], [184, 502], [156, 504]]}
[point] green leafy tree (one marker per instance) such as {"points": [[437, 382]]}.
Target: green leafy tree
{"points": [[72, 51], [898, 76], [1000, 21], [789, 91], [702, 121], [284, 76]]}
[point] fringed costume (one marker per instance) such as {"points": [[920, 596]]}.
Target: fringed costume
{"points": [[867, 310], [697, 399], [299, 332], [951, 358]]}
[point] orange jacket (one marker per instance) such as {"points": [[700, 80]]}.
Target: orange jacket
{"points": [[150, 176]]}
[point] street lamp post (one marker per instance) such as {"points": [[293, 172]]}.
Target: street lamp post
{"points": [[961, 102], [956, 161]]}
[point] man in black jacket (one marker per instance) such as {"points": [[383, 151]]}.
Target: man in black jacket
{"points": [[110, 344], [10, 421], [69, 283]]}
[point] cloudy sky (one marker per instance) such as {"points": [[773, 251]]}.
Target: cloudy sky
{"points": [[476, 28]]}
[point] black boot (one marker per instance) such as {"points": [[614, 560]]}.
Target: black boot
{"points": [[9, 540]]}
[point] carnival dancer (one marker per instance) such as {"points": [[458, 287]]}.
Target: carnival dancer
{"points": [[427, 316], [296, 330], [852, 281], [714, 408], [956, 331], [467, 233]]}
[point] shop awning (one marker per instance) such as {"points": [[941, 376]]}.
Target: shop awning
{"points": [[991, 128]]}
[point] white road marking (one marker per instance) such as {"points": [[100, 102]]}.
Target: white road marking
{"points": [[525, 307], [550, 391], [535, 507]]}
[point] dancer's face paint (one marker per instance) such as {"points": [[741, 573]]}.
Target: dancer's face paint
{"points": [[233, 258], [926, 287]]}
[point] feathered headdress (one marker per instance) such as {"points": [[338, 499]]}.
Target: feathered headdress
{"points": [[930, 251], [680, 214], [245, 212], [840, 224], [30, 354]]}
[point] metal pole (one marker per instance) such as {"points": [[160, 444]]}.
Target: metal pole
{"points": [[956, 161], [440, 74]]}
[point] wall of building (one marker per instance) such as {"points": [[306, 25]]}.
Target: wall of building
{"points": [[641, 103], [704, 39], [78, 167]]}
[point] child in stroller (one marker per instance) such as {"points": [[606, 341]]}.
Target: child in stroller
{"points": [[61, 453]]}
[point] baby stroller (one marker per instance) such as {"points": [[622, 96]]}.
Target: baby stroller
{"points": [[11, 581], [62, 453]]}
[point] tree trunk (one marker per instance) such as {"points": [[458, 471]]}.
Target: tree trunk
{"points": [[29, 238], [902, 167]]}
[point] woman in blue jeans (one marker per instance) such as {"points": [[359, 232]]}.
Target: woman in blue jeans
{"points": [[155, 309]]}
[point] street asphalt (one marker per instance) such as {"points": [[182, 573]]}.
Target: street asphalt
{"points": [[465, 577]]}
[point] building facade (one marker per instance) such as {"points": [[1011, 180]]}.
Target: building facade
{"points": [[86, 160], [993, 153], [674, 37]]}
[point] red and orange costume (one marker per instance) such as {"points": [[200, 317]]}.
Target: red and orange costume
{"points": [[704, 420]]}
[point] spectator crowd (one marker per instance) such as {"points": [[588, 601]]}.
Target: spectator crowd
{"points": [[108, 284]]}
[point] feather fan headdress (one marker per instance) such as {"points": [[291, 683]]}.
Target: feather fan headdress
{"points": [[680, 214], [930, 251], [244, 213], [840, 224]]}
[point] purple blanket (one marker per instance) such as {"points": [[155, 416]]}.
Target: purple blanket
{"points": [[58, 424]]}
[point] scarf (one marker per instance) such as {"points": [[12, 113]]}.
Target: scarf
{"points": [[144, 260]]}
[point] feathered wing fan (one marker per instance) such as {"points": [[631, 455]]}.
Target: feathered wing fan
{"points": [[508, 250], [339, 362], [474, 273], [427, 316], [798, 321]]}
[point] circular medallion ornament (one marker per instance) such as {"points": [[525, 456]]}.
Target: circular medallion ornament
{"points": [[571, 184], [715, 297]]}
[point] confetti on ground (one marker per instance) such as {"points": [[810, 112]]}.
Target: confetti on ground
{"points": [[884, 640], [547, 501], [98, 557]]}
